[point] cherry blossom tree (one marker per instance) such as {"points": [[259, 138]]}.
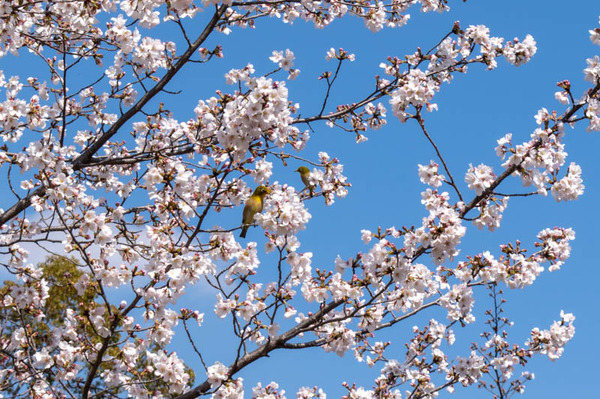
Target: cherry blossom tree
{"points": [[99, 172]]}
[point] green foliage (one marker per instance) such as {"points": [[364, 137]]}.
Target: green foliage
{"points": [[62, 275]]}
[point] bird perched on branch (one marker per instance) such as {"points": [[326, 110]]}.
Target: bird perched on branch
{"points": [[254, 205], [305, 176]]}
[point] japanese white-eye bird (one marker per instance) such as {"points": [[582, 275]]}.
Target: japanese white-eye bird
{"points": [[305, 176], [254, 205]]}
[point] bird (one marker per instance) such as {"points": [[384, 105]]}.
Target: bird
{"points": [[254, 205], [305, 176]]}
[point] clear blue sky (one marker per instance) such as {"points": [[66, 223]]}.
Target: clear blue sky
{"points": [[474, 111]]}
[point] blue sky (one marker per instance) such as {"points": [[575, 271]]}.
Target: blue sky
{"points": [[474, 111]]}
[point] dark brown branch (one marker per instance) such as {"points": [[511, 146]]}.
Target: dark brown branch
{"points": [[512, 168], [264, 350], [81, 161], [421, 123]]}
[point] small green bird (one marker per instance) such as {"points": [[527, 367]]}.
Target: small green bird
{"points": [[305, 176], [254, 205]]}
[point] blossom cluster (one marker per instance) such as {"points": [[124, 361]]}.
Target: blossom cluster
{"points": [[428, 174], [284, 212], [441, 230], [539, 160], [262, 110], [513, 267], [416, 88], [551, 342]]}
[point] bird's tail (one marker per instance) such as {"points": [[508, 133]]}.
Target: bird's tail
{"points": [[244, 230]]}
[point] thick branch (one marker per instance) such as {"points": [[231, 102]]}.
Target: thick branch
{"points": [[81, 161], [263, 351]]}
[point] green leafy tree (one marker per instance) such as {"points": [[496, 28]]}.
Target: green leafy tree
{"points": [[62, 293]]}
